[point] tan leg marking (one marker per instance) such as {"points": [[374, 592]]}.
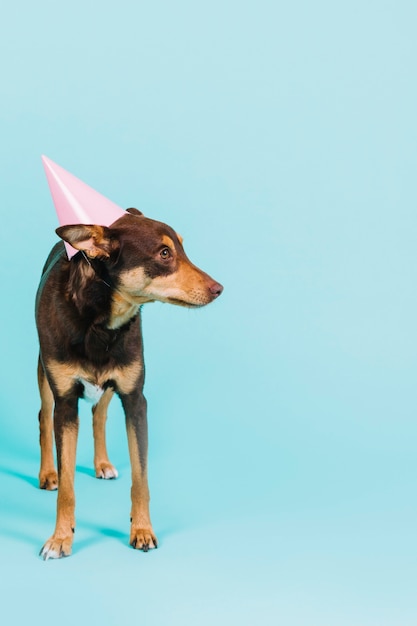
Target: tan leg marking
{"points": [[64, 375], [142, 536], [60, 544], [102, 465], [48, 477], [127, 377]]}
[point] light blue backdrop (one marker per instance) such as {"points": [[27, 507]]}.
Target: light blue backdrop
{"points": [[280, 140]]}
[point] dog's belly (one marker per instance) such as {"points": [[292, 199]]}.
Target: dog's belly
{"points": [[92, 393]]}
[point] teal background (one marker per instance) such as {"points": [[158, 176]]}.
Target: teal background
{"points": [[280, 140]]}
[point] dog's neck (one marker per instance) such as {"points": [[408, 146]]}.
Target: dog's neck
{"points": [[121, 309]]}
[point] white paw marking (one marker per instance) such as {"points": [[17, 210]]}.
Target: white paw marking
{"points": [[49, 553], [108, 473]]}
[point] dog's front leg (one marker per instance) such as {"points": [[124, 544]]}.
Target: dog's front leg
{"points": [[66, 432], [142, 536]]}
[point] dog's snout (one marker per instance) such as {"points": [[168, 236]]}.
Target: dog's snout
{"points": [[216, 289]]}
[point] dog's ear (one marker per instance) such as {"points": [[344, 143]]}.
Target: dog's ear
{"points": [[134, 211], [95, 241]]}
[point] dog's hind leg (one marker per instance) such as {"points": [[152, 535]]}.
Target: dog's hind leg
{"points": [[102, 465], [48, 477]]}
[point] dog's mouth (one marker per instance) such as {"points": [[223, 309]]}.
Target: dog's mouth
{"points": [[198, 298], [189, 305]]}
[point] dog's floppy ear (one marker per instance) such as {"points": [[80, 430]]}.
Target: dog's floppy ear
{"points": [[134, 211], [94, 240]]}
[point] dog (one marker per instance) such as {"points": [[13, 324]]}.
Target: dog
{"points": [[89, 328]]}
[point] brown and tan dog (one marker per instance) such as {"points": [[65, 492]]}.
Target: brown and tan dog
{"points": [[88, 320]]}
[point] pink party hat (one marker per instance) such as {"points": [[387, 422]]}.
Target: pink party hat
{"points": [[77, 203]]}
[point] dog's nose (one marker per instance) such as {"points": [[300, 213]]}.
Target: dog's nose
{"points": [[216, 289]]}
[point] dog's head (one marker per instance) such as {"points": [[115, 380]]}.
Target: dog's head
{"points": [[145, 261]]}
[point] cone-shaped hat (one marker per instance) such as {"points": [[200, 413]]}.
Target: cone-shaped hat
{"points": [[77, 203]]}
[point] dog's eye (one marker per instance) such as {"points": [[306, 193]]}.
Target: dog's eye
{"points": [[165, 254]]}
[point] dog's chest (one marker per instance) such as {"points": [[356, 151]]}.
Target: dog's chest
{"points": [[92, 392]]}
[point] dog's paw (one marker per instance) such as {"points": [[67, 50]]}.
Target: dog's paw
{"points": [[143, 539], [56, 548], [106, 470], [48, 480]]}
